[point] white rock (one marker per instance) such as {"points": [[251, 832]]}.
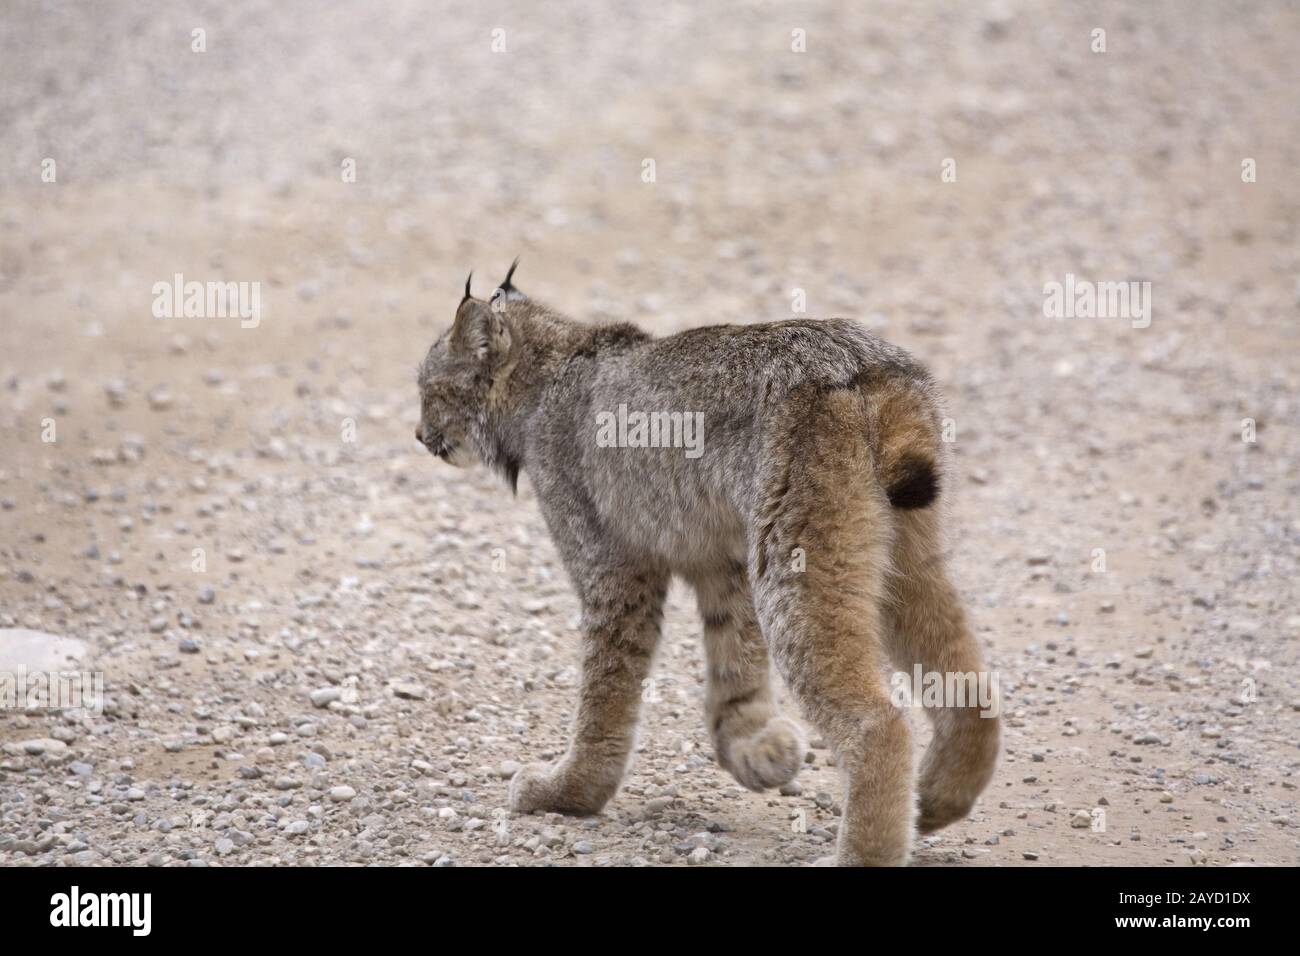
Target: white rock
{"points": [[22, 649], [39, 745]]}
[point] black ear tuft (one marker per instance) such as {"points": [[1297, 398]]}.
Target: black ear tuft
{"points": [[506, 290], [506, 286], [468, 279]]}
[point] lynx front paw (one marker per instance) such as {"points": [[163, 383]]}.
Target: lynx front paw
{"points": [[769, 757], [552, 790]]}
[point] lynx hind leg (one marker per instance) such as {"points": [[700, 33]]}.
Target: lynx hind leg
{"points": [[928, 627], [753, 742], [823, 619]]}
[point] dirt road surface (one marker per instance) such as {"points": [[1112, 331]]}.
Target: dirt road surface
{"points": [[321, 646]]}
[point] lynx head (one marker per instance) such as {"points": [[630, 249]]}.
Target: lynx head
{"points": [[456, 381]]}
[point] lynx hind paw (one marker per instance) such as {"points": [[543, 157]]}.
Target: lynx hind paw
{"points": [[937, 814], [769, 757]]}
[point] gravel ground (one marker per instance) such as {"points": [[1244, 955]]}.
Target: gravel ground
{"points": [[374, 640]]}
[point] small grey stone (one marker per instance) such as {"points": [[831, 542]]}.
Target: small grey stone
{"points": [[656, 805], [42, 745], [325, 696]]}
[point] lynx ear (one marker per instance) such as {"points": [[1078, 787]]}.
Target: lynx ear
{"points": [[506, 291], [482, 331]]}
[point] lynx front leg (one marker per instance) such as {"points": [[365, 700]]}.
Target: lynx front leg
{"points": [[758, 746], [622, 615]]}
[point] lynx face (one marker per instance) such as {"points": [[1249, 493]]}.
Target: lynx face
{"points": [[452, 387], [455, 383]]}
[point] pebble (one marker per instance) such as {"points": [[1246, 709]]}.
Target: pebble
{"points": [[409, 691], [42, 745], [656, 805], [160, 398], [325, 696]]}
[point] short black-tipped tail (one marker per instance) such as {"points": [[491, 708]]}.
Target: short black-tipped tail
{"points": [[914, 483]]}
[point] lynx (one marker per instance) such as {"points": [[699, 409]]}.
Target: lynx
{"points": [[808, 527]]}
